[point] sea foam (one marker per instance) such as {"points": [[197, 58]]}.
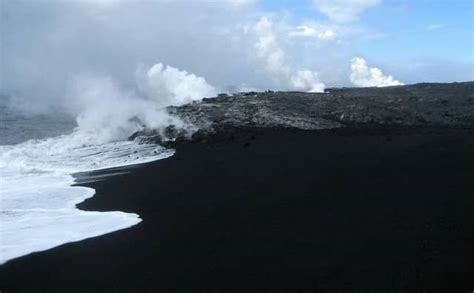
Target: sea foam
{"points": [[37, 202]]}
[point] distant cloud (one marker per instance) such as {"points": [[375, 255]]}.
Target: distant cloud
{"points": [[110, 2], [344, 10], [364, 76], [436, 27], [313, 31], [375, 35], [242, 2]]}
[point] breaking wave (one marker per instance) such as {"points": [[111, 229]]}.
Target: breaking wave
{"points": [[38, 202]]}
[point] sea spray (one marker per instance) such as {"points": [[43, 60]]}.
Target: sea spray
{"points": [[38, 204], [37, 201]]}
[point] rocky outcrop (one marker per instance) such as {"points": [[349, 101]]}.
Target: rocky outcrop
{"points": [[412, 105]]}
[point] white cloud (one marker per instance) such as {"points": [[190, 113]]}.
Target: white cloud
{"points": [[435, 27], [344, 10], [242, 2], [313, 31], [111, 2], [364, 76]]}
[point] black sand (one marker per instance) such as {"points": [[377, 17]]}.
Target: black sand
{"points": [[345, 210]]}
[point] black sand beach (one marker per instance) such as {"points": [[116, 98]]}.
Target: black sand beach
{"points": [[270, 210]]}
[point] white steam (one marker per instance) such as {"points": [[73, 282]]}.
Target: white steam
{"points": [[47, 42], [110, 113], [167, 85], [268, 50], [38, 208], [274, 61], [307, 80], [364, 76]]}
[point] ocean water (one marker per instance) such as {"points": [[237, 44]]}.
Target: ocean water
{"points": [[38, 155]]}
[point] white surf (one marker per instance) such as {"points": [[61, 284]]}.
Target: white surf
{"points": [[37, 202]]}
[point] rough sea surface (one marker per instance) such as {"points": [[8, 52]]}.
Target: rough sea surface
{"points": [[38, 155]]}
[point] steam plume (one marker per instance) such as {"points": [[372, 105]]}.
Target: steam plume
{"points": [[109, 112], [274, 61], [170, 86], [364, 76]]}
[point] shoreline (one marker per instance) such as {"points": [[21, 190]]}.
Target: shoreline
{"points": [[279, 209]]}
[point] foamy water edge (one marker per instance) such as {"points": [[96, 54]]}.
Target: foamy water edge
{"points": [[38, 202]]}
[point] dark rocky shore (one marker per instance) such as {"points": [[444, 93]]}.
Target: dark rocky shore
{"points": [[419, 104], [372, 191], [428, 104]]}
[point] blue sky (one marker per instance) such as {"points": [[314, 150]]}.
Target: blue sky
{"points": [[427, 29], [407, 29], [405, 33]]}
